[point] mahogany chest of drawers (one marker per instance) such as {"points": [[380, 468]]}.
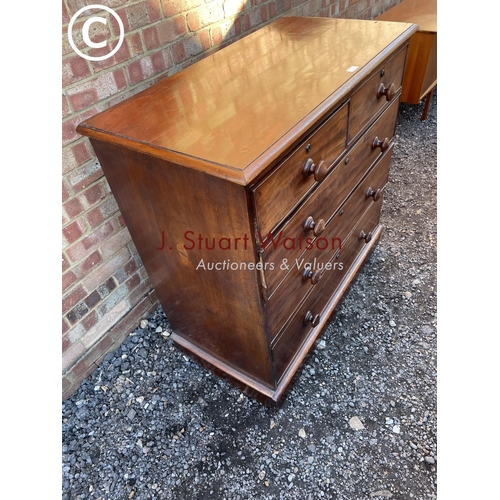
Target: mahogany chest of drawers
{"points": [[251, 183]]}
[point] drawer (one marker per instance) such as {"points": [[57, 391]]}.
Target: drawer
{"points": [[382, 86], [289, 183], [302, 278], [309, 313], [291, 240]]}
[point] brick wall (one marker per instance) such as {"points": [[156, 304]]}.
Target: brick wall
{"points": [[106, 290]]}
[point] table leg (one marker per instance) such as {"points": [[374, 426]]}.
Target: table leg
{"points": [[428, 100]]}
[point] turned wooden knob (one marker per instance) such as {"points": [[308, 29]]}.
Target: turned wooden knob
{"points": [[383, 145], [374, 194], [314, 275], [364, 236], [309, 318], [389, 92], [316, 227], [319, 170]]}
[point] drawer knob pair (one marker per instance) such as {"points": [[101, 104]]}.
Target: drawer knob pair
{"points": [[314, 275], [389, 92], [374, 194], [319, 170], [310, 318], [316, 227], [382, 144], [365, 236]]}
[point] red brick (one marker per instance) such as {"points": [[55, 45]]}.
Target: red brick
{"points": [[130, 267], [65, 15], [98, 32], [132, 282], [263, 13], [172, 7], [106, 269], [66, 342], [92, 299], [237, 26], [74, 6], [69, 126], [90, 320], [73, 208], [158, 62], [135, 44], [72, 354], [69, 130], [87, 245], [72, 156], [95, 217], [216, 35], [137, 16], [115, 243], [84, 99], [191, 46], [122, 55], [85, 175], [139, 293], [65, 191], [77, 313], [151, 39], [135, 73], [94, 194], [122, 14], [65, 219], [73, 231], [74, 69], [170, 30], [92, 261], [154, 10], [120, 79], [205, 39], [103, 211], [72, 298], [272, 9], [68, 279], [83, 368], [180, 27], [193, 21], [245, 22], [65, 263]]}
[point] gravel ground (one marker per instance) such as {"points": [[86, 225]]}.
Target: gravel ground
{"points": [[360, 422]]}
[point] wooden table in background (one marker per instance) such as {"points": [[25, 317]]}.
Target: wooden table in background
{"points": [[421, 67]]}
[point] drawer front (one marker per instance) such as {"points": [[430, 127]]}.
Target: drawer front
{"points": [[299, 328], [299, 232], [287, 185], [310, 268], [374, 94]]}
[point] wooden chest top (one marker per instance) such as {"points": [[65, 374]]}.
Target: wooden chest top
{"points": [[236, 111]]}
